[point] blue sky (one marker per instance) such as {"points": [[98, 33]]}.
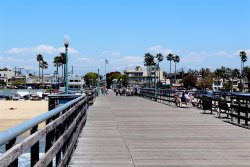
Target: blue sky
{"points": [[204, 33]]}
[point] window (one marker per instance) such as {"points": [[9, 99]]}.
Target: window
{"points": [[71, 81]]}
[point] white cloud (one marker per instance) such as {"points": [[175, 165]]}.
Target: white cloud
{"points": [[42, 49], [84, 58], [194, 57], [108, 53], [159, 49], [237, 53]]}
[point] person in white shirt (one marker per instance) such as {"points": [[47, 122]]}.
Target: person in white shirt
{"points": [[188, 97]]}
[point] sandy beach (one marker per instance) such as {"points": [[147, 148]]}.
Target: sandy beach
{"points": [[15, 112]]}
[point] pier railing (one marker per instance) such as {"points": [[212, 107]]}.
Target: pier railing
{"points": [[63, 126], [236, 105], [165, 96]]}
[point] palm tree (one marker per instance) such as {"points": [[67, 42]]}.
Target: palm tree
{"points": [[137, 68], [148, 62], [243, 56], [63, 63], [159, 57], [170, 57], [57, 64], [44, 65], [176, 59], [39, 58]]}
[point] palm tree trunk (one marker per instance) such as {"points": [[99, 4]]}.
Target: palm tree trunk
{"points": [[175, 73], [39, 70], [170, 72], [159, 72], [147, 76], [57, 76], [42, 75]]}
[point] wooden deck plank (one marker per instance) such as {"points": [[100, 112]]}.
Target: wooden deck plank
{"points": [[132, 131]]}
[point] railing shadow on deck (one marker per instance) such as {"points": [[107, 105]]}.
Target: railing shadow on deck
{"points": [[63, 126]]}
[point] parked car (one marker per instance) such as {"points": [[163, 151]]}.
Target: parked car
{"points": [[35, 97], [16, 97]]}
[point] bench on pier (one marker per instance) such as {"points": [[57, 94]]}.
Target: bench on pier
{"points": [[223, 108], [207, 105]]}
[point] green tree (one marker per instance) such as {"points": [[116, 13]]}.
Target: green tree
{"points": [[246, 72], [125, 80], [228, 86], [91, 78], [205, 72], [111, 76], [235, 73], [189, 81], [206, 82], [39, 58], [243, 57], [137, 68]]}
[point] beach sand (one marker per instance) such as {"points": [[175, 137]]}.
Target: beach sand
{"points": [[21, 111]]}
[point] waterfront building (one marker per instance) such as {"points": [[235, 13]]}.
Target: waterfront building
{"points": [[140, 77], [5, 76], [75, 82]]}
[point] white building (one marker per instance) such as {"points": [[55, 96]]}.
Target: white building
{"points": [[75, 82], [5, 76], [217, 84], [140, 77]]}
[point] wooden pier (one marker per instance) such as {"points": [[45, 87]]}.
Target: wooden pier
{"points": [[132, 131]]}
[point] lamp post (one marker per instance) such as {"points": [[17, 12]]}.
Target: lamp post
{"points": [[66, 44], [98, 83], [155, 88]]}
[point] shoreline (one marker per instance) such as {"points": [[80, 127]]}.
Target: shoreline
{"points": [[13, 113]]}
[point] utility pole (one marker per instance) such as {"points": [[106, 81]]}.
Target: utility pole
{"points": [[15, 70], [20, 70]]}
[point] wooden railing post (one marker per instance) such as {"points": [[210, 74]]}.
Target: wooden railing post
{"points": [[59, 131], [34, 150], [8, 146], [246, 115], [49, 140]]}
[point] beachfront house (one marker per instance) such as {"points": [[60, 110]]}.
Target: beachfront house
{"points": [[5, 77], [140, 77], [217, 83]]}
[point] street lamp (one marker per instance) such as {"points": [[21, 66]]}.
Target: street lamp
{"points": [[155, 88], [66, 44], [98, 83]]}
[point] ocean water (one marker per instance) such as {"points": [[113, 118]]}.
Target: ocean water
{"points": [[24, 159], [10, 92]]}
